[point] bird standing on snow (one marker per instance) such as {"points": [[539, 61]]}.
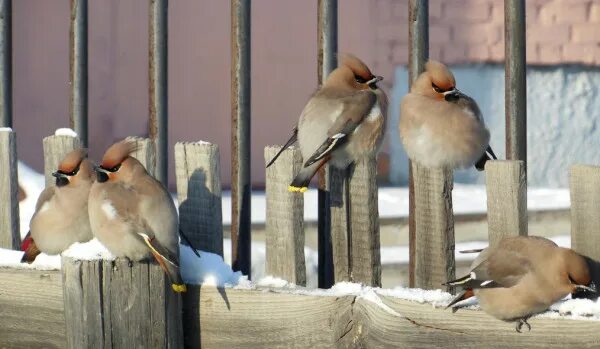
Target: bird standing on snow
{"points": [[132, 214], [61, 212], [342, 122], [440, 126], [522, 276]]}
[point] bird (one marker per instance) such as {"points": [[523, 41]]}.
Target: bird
{"points": [[522, 276], [132, 214], [61, 212], [441, 127], [343, 121]]}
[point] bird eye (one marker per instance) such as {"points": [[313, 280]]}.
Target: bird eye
{"points": [[359, 79], [436, 89], [115, 169]]}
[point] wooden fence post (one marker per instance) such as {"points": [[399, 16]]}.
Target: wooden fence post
{"points": [[285, 218], [198, 174], [145, 153], [585, 210], [10, 235], [506, 186], [55, 149], [434, 227], [110, 304], [339, 211]]}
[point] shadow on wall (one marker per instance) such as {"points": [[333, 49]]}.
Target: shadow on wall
{"points": [[563, 119]]}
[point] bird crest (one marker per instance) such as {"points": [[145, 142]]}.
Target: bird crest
{"points": [[440, 75], [72, 160], [356, 65], [117, 153]]}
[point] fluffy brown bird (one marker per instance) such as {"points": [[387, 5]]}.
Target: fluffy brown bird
{"points": [[440, 126], [61, 212], [343, 121], [132, 214], [522, 276]]}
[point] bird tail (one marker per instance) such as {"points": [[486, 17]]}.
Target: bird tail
{"points": [[292, 140], [487, 155], [302, 179], [465, 294], [168, 265], [30, 248]]}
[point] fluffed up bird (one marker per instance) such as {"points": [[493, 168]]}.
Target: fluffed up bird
{"points": [[61, 211], [522, 276], [132, 214], [343, 121], [441, 127]]}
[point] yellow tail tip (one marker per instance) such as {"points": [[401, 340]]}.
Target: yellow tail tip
{"points": [[292, 189], [179, 287]]}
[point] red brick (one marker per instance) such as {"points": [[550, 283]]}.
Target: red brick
{"points": [[561, 12], [476, 33], [595, 13], [557, 33], [532, 54], [439, 34], [478, 53], [580, 53], [435, 9], [467, 10], [382, 11], [497, 12], [550, 53], [497, 52], [399, 9], [586, 33], [400, 54], [454, 53], [395, 32], [435, 52]]}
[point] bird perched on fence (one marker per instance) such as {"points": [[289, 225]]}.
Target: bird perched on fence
{"points": [[132, 214], [440, 126], [343, 121], [522, 276], [61, 212]]}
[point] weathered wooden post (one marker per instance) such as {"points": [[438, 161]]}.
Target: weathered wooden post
{"points": [[55, 149], [585, 210], [506, 186], [198, 174], [285, 218], [115, 304], [9, 191], [145, 152]]}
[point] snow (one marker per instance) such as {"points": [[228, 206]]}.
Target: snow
{"points": [[88, 251], [209, 269], [65, 132], [32, 183], [12, 259], [5, 129]]}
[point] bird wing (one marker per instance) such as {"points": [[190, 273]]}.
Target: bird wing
{"points": [[44, 197], [292, 140], [354, 108]]}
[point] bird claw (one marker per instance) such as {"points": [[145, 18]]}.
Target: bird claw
{"points": [[520, 324]]}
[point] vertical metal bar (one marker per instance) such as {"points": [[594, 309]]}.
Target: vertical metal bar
{"points": [[515, 89], [240, 136], [78, 69], [418, 38], [327, 40], [158, 84], [5, 63]]}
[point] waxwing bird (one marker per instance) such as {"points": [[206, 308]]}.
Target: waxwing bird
{"points": [[522, 276], [132, 214], [61, 212], [343, 121], [440, 126]]}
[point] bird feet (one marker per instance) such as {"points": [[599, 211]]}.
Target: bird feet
{"points": [[521, 322]]}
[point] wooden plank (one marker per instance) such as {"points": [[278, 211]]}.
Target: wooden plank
{"points": [[585, 210], [55, 149], [434, 227], [506, 186], [145, 152], [10, 234], [285, 218], [339, 214], [198, 174], [118, 304], [31, 309]]}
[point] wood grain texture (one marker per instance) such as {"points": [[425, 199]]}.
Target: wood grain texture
{"points": [[10, 234], [31, 309], [112, 304], [339, 215], [285, 218], [145, 152], [506, 186], [585, 210], [198, 174], [55, 149], [434, 227]]}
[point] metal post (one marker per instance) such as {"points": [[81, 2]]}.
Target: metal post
{"points": [[327, 48], [158, 84], [515, 89], [78, 69], [240, 136], [418, 33], [5, 63]]}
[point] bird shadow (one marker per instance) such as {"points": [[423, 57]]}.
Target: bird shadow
{"points": [[594, 267]]}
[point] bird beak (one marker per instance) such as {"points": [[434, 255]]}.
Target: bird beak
{"points": [[59, 175], [101, 174], [451, 95], [375, 80]]}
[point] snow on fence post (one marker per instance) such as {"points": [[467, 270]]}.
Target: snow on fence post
{"points": [[55, 149], [9, 188], [285, 217], [585, 210], [112, 304], [145, 152], [506, 186], [198, 174]]}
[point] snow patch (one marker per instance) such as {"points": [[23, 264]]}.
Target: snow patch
{"points": [[5, 129], [65, 132], [12, 259], [208, 269], [88, 251]]}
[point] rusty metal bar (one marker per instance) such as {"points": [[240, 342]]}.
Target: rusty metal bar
{"points": [[327, 41], [5, 63], [241, 190], [158, 85], [78, 69], [418, 38], [515, 85]]}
